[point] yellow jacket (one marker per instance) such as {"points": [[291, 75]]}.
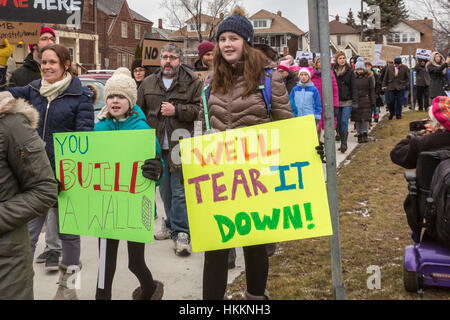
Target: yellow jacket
{"points": [[5, 53]]}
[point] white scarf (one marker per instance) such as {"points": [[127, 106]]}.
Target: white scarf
{"points": [[53, 90]]}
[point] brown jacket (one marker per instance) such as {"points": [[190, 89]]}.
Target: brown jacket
{"points": [[184, 94], [399, 82], [27, 189], [231, 111]]}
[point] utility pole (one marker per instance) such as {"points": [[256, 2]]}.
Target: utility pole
{"points": [[313, 26], [411, 80], [330, 147], [362, 21]]}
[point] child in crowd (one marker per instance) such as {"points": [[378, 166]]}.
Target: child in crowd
{"points": [[122, 113], [305, 98]]}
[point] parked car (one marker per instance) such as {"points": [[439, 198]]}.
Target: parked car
{"points": [[101, 77], [100, 103], [100, 71]]}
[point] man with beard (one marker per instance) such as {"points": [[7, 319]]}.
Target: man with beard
{"points": [[171, 101]]}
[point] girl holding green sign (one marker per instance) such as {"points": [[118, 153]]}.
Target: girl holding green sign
{"points": [[122, 113], [235, 102]]}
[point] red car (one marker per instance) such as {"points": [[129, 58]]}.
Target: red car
{"points": [[99, 75]]}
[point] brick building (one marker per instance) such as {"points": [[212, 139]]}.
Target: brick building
{"points": [[109, 34], [277, 31], [412, 34], [189, 35]]}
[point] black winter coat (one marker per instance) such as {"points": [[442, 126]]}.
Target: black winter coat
{"points": [[27, 73], [422, 76], [366, 97], [438, 83], [347, 85], [407, 151], [71, 111]]}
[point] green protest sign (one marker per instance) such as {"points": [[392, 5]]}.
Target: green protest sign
{"points": [[103, 193]]}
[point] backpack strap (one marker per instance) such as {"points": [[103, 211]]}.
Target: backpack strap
{"points": [[266, 90], [205, 96]]}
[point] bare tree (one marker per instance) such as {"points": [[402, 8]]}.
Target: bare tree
{"points": [[439, 11], [180, 11]]}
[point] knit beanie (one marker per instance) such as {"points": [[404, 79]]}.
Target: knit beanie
{"points": [[441, 111], [284, 65], [360, 64], [305, 70], [204, 48], [397, 60], [122, 83], [45, 29], [237, 23]]}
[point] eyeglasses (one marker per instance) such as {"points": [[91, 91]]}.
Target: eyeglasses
{"points": [[171, 58], [139, 70], [47, 38]]}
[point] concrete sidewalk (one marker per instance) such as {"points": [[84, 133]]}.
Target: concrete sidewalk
{"points": [[182, 276]]}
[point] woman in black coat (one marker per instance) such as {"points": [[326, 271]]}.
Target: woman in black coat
{"points": [[437, 68], [348, 95]]}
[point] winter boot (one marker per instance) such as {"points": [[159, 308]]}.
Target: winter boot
{"points": [[157, 294], [338, 136], [365, 137], [249, 296], [360, 139], [344, 136], [67, 282], [376, 117]]}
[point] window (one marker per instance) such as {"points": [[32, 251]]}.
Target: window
{"points": [[283, 40], [396, 37], [260, 23], [272, 41], [404, 37], [412, 37], [192, 27], [339, 40], [137, 31], [119, 60], [72, 53], [124, 29], [124, 61]]}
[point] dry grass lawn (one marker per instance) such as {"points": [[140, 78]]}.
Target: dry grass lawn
{"points": [[373, 230]]}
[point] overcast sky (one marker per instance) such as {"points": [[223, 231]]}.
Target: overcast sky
{"points": [[294, 10]]}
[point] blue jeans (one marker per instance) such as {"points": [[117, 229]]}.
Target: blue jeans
{"points": [[343, 117], [3, 76], [173, 196], [394, 101], [70, 243]]}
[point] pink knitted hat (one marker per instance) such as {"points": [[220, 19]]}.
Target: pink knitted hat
{"points": [[441, 111], [284, 65]]}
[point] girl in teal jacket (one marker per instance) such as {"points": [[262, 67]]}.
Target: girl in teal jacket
{"points": [[120, 95]]}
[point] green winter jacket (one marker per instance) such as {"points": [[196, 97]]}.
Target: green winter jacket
{"points": [[27, 189]]}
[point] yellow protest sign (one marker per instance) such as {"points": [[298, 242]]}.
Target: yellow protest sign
{"points": [[255, 185]]}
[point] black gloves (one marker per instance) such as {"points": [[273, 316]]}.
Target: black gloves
{"points": [[152, 169], [59, 186], [321, 151]]}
